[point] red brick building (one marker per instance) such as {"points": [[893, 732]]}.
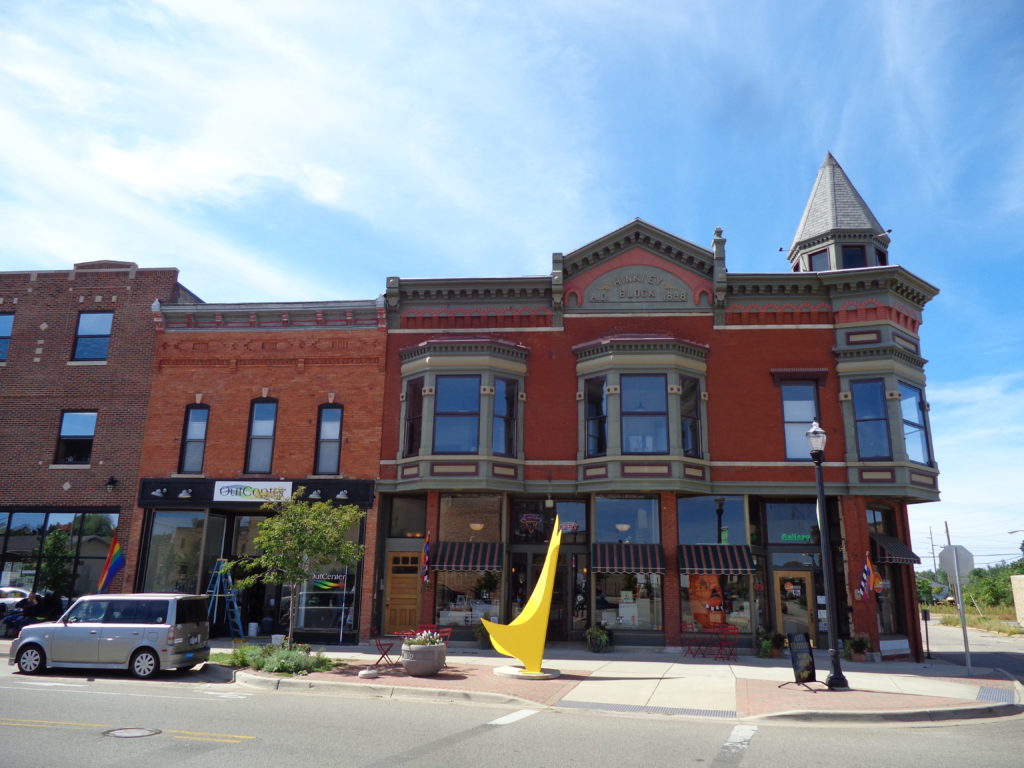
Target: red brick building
{"points": [[658, 404], [76, 351], [248, 401]]}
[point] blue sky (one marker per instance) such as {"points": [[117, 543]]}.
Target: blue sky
{"points": [[308, 149]]}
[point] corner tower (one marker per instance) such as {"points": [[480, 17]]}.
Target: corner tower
{"points": [[837, 230]]}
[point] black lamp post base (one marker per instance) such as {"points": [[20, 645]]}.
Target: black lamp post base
{"points": [[836, 678]]}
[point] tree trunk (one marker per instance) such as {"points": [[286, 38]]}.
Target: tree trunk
{"points": [[293, 611]]}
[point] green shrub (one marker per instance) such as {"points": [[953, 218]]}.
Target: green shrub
{"points": [[294, 659]]}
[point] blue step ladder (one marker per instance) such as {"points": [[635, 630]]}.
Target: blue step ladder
{"points": [[223, 586]]}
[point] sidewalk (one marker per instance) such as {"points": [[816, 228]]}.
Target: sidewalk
{"points": [[667, 683]]}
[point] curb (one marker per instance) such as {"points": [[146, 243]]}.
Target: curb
{"points": [[254, 680], [895, 716]]}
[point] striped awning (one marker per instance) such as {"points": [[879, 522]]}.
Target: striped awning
{"points": [[628, 558], [467, 556], [888, 549], [715, 558]]}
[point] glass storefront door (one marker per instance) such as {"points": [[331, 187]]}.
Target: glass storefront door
{"points": [[794, 603], [570, 594]]}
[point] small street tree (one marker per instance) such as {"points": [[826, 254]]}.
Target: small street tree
{"points": [[297, 540]]}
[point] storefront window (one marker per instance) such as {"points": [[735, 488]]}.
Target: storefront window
{"points": [[59, 552], [174, 547], [627, 520], [470, 517], [628, 600], [711, 520], [531, 521], [464, 597], [408, 518], [792, 522], [711, 600]]}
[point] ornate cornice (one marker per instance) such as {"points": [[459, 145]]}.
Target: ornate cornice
{"points": [[465, 346], [628, 343], [647, 236]]}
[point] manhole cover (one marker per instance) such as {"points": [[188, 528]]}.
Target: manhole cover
{"points": [[131, 733]]}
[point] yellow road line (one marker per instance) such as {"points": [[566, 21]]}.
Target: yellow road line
{"points": [[206, 733], [19, 721], [200, 738]]}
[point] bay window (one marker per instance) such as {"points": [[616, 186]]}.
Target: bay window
{"points": [[644, 413], [871, 422], [915, 427], [457, 414]]}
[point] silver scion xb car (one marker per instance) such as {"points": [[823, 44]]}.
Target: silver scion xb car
{"points": [[143, 632]]}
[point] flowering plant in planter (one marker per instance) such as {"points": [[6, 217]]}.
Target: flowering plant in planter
{"points": [[425, 638], [423, 655]]}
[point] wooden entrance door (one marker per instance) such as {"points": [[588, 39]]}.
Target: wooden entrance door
{"points": [[794, 603], [402, 592]]}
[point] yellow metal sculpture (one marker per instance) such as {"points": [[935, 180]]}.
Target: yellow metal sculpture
{"points": [[524, 637]]}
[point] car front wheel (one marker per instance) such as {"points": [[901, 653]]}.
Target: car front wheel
{"points": [[31, 660], [145, 664]]}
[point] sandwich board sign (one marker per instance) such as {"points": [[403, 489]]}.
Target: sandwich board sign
{"points": [[802, 658]]}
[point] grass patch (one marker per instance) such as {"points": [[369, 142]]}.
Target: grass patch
{"points": [[294, 659], [991, 619]]}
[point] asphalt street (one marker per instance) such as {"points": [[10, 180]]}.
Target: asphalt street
{"points": [[987, 649]]}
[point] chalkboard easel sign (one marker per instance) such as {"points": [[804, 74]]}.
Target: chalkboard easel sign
{"points": [[803, 660]]}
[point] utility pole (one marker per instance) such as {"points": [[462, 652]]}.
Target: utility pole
{"points": [[935, 563]]}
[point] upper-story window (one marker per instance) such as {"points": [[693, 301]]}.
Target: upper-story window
{"points": [[77, 430], [915, 425], [799, 409], [463, 396], [193, 441], [328, 440], [641, 395], [644, 412], [413, 416], [819, 261], [881, 257], [6, 325], [503, 420], [596, 408], [92, 337], [689, 411], [260, 449], [871, 422], [854, 257], [457, 414]]}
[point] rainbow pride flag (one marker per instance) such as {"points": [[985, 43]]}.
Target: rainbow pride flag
{"points": [[113, 566]]}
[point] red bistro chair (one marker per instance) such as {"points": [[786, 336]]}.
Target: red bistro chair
{"points": [[384, 648]]}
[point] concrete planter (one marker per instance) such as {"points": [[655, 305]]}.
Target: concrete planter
{"points": [[422, 660]]}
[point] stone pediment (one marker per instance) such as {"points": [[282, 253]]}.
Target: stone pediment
{"points": [[638, 268]]}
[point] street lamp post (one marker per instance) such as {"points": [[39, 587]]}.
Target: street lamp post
{"points": [[816, 440]]}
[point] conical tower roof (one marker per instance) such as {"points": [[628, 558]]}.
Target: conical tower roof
{"points": [[834, 204]]}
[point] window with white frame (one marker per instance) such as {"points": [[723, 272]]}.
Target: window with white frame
{"points": [[328, 440], [799, 409], [193, 443], [260, 449]]}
